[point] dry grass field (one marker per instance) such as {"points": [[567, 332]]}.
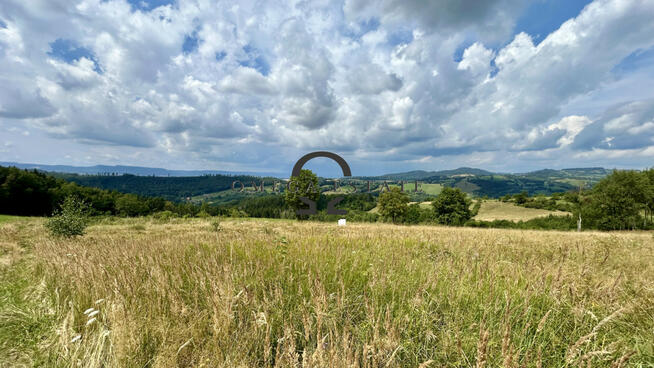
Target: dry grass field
{"points": [[256, 293], [495, 210]]}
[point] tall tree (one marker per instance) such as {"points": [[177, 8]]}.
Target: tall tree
{"points": [[618, 199], [393, 204], [649, 202], [303, 185], [452, 207]]}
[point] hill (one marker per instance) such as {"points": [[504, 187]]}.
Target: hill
{"points": [[477, 182], [170, 188], [131, 170], [422, 174], [481, 182]]}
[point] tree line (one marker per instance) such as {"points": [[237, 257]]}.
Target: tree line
{"points": [[624, 200], [169, 188], [34, 193]]}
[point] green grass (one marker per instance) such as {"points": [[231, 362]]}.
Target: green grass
{"points": [[275, 293], [432, 189], [8, 218]]}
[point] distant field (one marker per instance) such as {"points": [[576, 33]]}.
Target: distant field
{"points": [[257, 293], [7, 218], [495, 210], [433, 189]]}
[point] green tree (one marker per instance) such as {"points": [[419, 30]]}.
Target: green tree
{"points": [[131, 205], [452, 207], [413, 213], [649, 201], [616, 201], [521, 198], [393, 204], [303, 185], [70, 220]]}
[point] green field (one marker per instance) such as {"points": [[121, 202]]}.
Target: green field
{"points": [[246, 293], [433, 189], [495, 210], [7, 218]]}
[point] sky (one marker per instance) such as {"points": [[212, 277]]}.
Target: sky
{"points": [[390, 85]]}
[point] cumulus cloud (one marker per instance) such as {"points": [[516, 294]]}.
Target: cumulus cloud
{"points": [[626, 126], [491, 19], [244, 82], [22, 103]]}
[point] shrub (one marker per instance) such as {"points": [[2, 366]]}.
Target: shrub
{"points": [[215, 225], [203, 214], [418, 215], [164, 216], [550, 222], [476, 208], [70, 220], [235, 212]]}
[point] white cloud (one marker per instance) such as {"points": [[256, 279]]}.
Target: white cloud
{"points": [[476, 59], [281, 78]]}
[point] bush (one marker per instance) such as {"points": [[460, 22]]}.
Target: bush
{"points": [[164, 216], [215, 225], [563, 223], [418, 215], [476, 208], [70, 220], [203, 214], [235, 212], [361, 216]]}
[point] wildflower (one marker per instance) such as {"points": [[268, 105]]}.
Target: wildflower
{"points": [[93, 313], [76, 338], [89, 311], [99, 301], [90, 321]]}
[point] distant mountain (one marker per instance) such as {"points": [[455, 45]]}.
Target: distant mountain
{"points": [[462, 171], [131, 170], [179, 184], [587, 172], [485, 183], [422, 174]]}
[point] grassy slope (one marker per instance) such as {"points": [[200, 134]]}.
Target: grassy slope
{"points": [[495, 210], [260, 292], [8, 218]]}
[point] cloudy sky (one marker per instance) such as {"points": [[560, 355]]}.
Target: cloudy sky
{"points": [[391, 85]]}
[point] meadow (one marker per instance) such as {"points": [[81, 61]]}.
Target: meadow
{"points": [[496, 210], [256, 293]]}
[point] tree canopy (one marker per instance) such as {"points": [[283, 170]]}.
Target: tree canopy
{"points": [[303, 185], [452, 207], [393, 204]]}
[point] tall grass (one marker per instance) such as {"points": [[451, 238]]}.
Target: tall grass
{"points": [[284, 293]]}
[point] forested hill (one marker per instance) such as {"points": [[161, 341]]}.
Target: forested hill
{"points": [[125, 169], [484, 183], [170, 188], [477, 182], [474, 181]]}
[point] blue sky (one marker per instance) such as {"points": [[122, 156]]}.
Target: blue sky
{"points": [[505, 85]]}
